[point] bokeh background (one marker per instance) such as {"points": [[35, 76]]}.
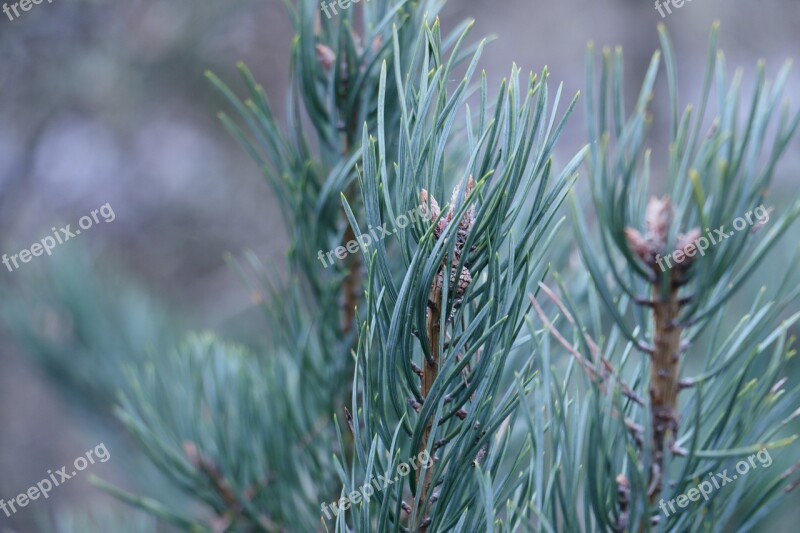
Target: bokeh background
{"points": [[105, 102]]}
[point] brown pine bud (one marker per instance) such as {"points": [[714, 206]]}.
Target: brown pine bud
{"points": [[687, 245], [325, 56], [377, 42], [658, 219], [639, 246], [190, 450], [430, 207]]}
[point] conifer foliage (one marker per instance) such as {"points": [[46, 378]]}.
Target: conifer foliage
{"points": [[467, 372]]}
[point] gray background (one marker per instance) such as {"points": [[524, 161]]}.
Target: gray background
{"points": [[106, 102]]}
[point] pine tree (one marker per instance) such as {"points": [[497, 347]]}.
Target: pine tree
{"points": [[459, 370]]}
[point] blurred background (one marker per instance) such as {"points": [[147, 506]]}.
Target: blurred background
{"points": [[105, 102]]}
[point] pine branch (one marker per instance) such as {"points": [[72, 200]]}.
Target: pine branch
{"points": [[689, 276]]}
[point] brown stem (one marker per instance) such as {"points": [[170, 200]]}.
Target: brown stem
{"points": [[350, 294], [431, 370], [350, 286], [664, 381]]}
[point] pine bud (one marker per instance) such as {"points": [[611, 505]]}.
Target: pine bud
{"points": [[325, 56], [658, 219], [190, 450], [430, 207], [683, 244], [639, 246]]}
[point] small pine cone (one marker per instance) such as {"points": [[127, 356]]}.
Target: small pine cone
{"points": [[463, 281], [430, 209], [454, 200], [468, 221]]}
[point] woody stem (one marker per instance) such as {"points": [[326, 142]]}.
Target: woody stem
{"points": [[430, 371], [664, 380]]}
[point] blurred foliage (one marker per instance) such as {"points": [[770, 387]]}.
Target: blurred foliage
{"points": [[82, 325], [530, 433]]}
